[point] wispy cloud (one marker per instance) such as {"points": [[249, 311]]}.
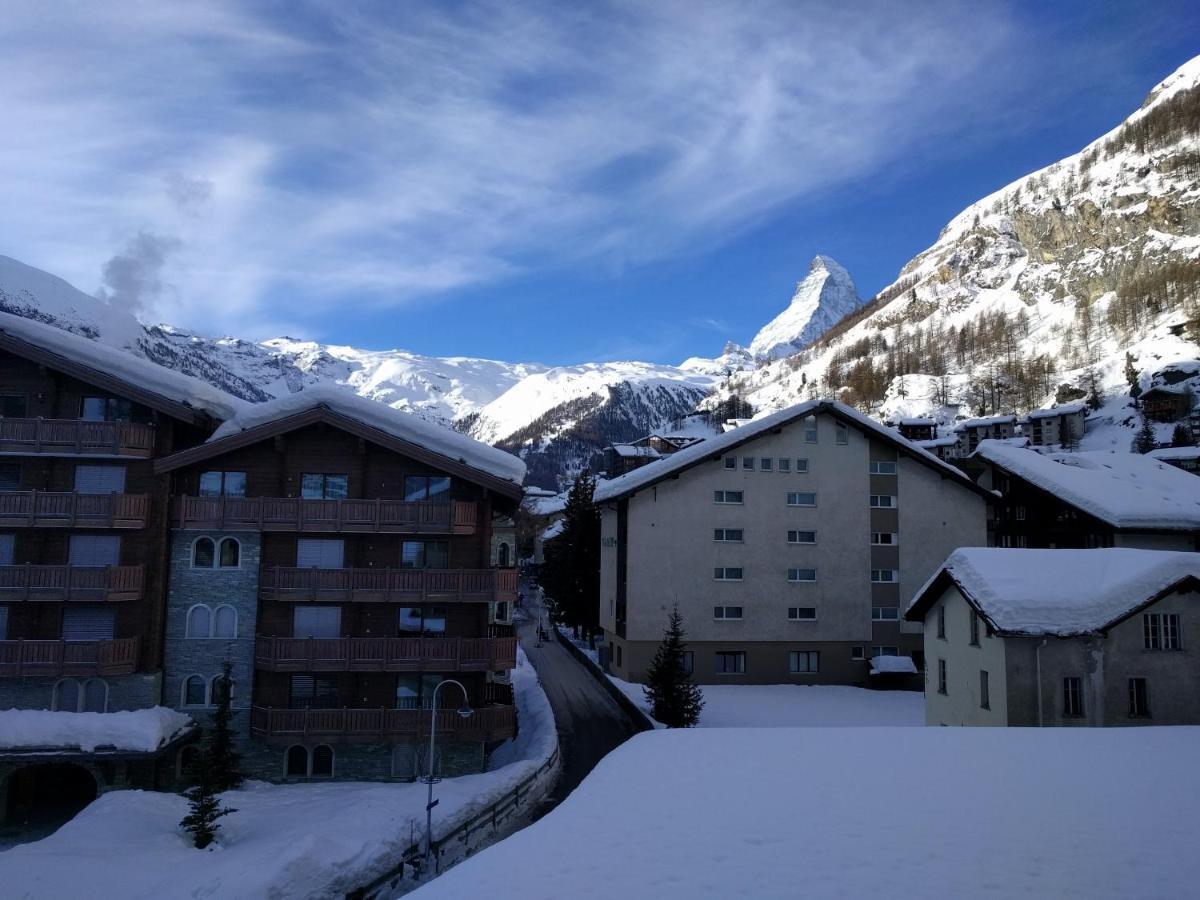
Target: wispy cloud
{"points": [[384, 152]]}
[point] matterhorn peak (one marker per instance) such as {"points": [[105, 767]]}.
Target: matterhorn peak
{"points": [[826, 294]]}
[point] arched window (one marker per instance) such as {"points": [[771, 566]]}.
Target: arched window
{"points": [[199, 622], [502, 556], [225, 622], [95, 695], [218, 686], [204, 553], [66, 695], [231, 553], [404, 761], [195, 691], [297, 762], [322, 761]]}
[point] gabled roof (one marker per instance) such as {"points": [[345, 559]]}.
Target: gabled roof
{"points": [[1175, 453], [399, 431], [981, 423], [1057, 592], [117, 371], [1125, 490], [1067, 409], [716, 447]]}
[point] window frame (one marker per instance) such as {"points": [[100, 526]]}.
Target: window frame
{"points": [[1161, 632], [722, 498], [325, 480], [1139, 706], [941, 622], [874, 501], [811, 432], [1073, 705], [877, 576], [793, 614], [881, 610], [801, 465], [943, 677], [810, 656], [724, 536], [188, 634], [224, 487], [876, 537], [739, 656], [722, 613], [183, 691], [841, 434], [973, 631], [797, 504], [731, 462], [794, 573], [724, 570], [195, 544], [798, 532], [879, 467]]}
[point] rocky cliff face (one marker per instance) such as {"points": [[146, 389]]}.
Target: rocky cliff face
{"points": [[825, 296]]}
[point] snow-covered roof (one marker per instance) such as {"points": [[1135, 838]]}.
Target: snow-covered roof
{"points": [[948, 441], [553, 530], [893, 665], [1067, 409], [1175, 389], [141, 374], [630, 451], [988, 420], [434, 438], [918, 422], [141, 730], [545, 506], [1057, 592], [1175, 453], [1126, 490], [690, 456]]}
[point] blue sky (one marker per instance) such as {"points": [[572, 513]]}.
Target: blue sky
{"points": [[537, 181]]}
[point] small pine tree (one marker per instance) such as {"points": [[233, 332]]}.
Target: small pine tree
{"points": [[203, 807], [1181, 436], [214, 770], [1145, 440], [674, 698], [225, 759]]}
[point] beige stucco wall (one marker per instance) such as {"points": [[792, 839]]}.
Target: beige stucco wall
{"points": [[960, 704]]}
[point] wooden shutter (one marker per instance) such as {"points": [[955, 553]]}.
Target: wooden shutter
{"points": [[319, 553], [95, 550], [100, 479], [88, 622]]}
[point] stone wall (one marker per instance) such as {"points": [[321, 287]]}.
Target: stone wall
{"points": [[125, 692]]}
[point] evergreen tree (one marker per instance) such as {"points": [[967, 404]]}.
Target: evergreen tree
{"points": [[215, 768], [571, 572], [675, 700], [1145, 440], [1181, 436], [203, 807], [224, 758]]}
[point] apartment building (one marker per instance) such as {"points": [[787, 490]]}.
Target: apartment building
{"points": [[789, 545], [1061, 637], [346, 558], [1086, 499], [972, 431], [1059, 425]]}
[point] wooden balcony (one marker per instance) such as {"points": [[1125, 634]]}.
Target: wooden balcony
{"points": [[412, 586], [75, 437], [299, 515], [59, 583], [79, 658], [376, 654], [44, 509], [489, 723]]}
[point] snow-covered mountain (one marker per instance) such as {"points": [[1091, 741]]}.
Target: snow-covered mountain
{"points": [[825, 296], [1035, 292]]}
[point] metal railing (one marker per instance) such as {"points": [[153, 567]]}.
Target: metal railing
{"points": [[388, 585], [75, 437], [99, 583], [377, 654], [29, 658], [303, 515], [47, 509]]}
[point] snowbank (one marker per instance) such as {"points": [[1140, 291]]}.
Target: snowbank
{"points": [[143, 730], [893, 665], [408, 427], [709, 814]]}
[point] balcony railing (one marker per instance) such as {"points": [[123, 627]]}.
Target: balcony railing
{"points": [[75, 437], [489, 723], [44, 509], [389, 585], [377, 654], [96, 583], [298, 514], [82, 658]]}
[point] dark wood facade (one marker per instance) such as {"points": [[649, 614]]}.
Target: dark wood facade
{"points": [[1165, 405]]}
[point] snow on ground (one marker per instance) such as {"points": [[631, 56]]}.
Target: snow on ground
{"points": [[142, 730], [839, 812], [288, 841]]}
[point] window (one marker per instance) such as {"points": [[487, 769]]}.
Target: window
{"points": [[313, 692], [804, 662], [1073, 697], [88, 622], [222, 484], [884, 651], [727, 612], [689, 661], [883, 501], [229, 554], [802, 466], [802, 613], [801, 537], [94, 550], [764, 464], [785, 465], [858, 653], [974, 628], [727, 535], [799, 575], [416, 691], [1161, 631], [884, 576], [985, 696], [726, 573], [1010, 540], [879, 467], [502, 555], [99, 479], [731, 663], [941, 622], [195, 691], [810, 429], [10, 476], [748, 462], [296, 762], [801, 498], [424, 555], [300, 762], [727, 496], [320, 553], [885, 614], [941, 676], [66, 696], [1139, 698], [199, 622], [884, 538], [70, 696], [421, 620], [204, 553], [322, 761], [324, 486], [105, 409], [13, 406], [225, 622], [317, 622], [731, 462], [841, 433], [426, 487], [1019, 513]]}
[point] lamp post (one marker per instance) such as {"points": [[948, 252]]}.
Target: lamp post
{"points": [[465, 711]]}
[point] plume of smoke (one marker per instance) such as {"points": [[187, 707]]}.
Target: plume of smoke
{"points": [[133, 278]]}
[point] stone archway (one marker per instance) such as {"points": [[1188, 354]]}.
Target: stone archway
{"points": [[42, 796]]}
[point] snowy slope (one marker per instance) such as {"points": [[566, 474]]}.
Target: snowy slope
{"points": [[825, 295]]}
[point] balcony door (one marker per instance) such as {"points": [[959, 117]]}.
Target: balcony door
{"points": [[100, 479], [416, 691], [88, 622], [94, 550], [320, 553], [317, 622]]}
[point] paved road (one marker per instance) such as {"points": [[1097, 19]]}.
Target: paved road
{"points": [[590, 722]]}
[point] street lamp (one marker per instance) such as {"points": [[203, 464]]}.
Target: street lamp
{"points": [[465, 711]]}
